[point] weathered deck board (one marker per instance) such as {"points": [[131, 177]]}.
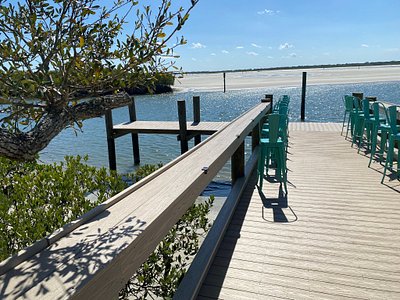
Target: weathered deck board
{"points": [[345, 242], [168, 127]]}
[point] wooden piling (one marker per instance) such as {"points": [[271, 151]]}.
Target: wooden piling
{"points": [[255, 136], [237, 163], [182, 126], [112, 159], [358, 95], [303, 97], [224, 82], [134, 136], [196, 117]]}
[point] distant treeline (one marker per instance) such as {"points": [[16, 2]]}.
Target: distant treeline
{"points": [[378, 63], [155, 84]]}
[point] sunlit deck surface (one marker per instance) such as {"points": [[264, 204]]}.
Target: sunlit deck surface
{"points": [[339, 238]]}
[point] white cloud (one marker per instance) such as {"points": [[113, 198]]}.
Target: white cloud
{"points": [[252, 53], [255, 45], [197, 46], [293, 55], [239, 47], [270, 57], [213, 54], [364, 45], [268, 12], [194, 59], [285, 46], [225, 52]]}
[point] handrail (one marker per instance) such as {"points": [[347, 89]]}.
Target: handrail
{"points": [[95, 257]]}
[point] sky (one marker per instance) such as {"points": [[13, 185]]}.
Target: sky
{"points": [[241, 34]]}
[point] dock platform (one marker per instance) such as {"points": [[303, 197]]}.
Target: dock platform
{"points": [[168, 127], [339, 237]]}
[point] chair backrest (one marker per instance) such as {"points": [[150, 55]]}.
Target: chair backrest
{"points": [[283, 109], [379, 111], [365, 108], [273, 121], [348, 102], [356, 104], [392, 110]]}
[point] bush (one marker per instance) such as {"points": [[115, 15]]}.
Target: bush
{"points": [[161, 274], [37, 199]]}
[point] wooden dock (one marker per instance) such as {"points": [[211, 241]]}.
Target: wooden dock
{"points": [[338, 239], [168, 127]]}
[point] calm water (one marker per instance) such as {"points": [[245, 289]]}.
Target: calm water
{"points": [[323, 104]]}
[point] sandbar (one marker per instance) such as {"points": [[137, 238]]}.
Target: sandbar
{"points": [[286, 78]]}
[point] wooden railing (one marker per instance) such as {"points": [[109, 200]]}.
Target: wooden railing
{"points": [[93, 257]]}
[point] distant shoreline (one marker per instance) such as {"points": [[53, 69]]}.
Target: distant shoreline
{"points": [[365, 64], [289, 77]]}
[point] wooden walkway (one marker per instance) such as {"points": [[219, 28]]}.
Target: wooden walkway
{"points": [[338, 239]]}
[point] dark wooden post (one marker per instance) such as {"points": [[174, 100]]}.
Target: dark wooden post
{"points": [[255, 136], [196, 117], [182, 126], [112, 159], [224, 82], [358, 95], [303, 97], [371, 99], [237, 163], [135, 136]]}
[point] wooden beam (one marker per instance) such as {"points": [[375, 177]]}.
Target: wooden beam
{"points": [[182, 126], [303, 97], [237, 163], [196, 117], [134, 136], [112, 159]]}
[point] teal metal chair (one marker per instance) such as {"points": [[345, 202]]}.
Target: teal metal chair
{"points": [[348, 109], [283, 131], [380, 127], [357, 122], [394, 136], [368, 122], [272, 147]]}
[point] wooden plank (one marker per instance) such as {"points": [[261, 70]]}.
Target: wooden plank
{"points": [[344, 244], [97, 258]]}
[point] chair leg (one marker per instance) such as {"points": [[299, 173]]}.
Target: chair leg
{"points": [[373, 143], [260, 168], [389, 157], [348, 125], [344, 121]]}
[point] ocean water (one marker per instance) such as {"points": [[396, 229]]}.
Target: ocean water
{"points": [[324, 103]]}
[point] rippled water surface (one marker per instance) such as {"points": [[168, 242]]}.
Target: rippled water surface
{"points": [[323, 104]]}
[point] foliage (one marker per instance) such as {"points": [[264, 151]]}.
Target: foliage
{"points": [[56, 51], [161, 274], [37, 199]]}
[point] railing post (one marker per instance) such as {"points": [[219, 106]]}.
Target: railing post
{"points": [[135, 136], [196, 117], [303, 96], [182, 126], [237, 163], [255, 136], [112, 160], [358, 95]]}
